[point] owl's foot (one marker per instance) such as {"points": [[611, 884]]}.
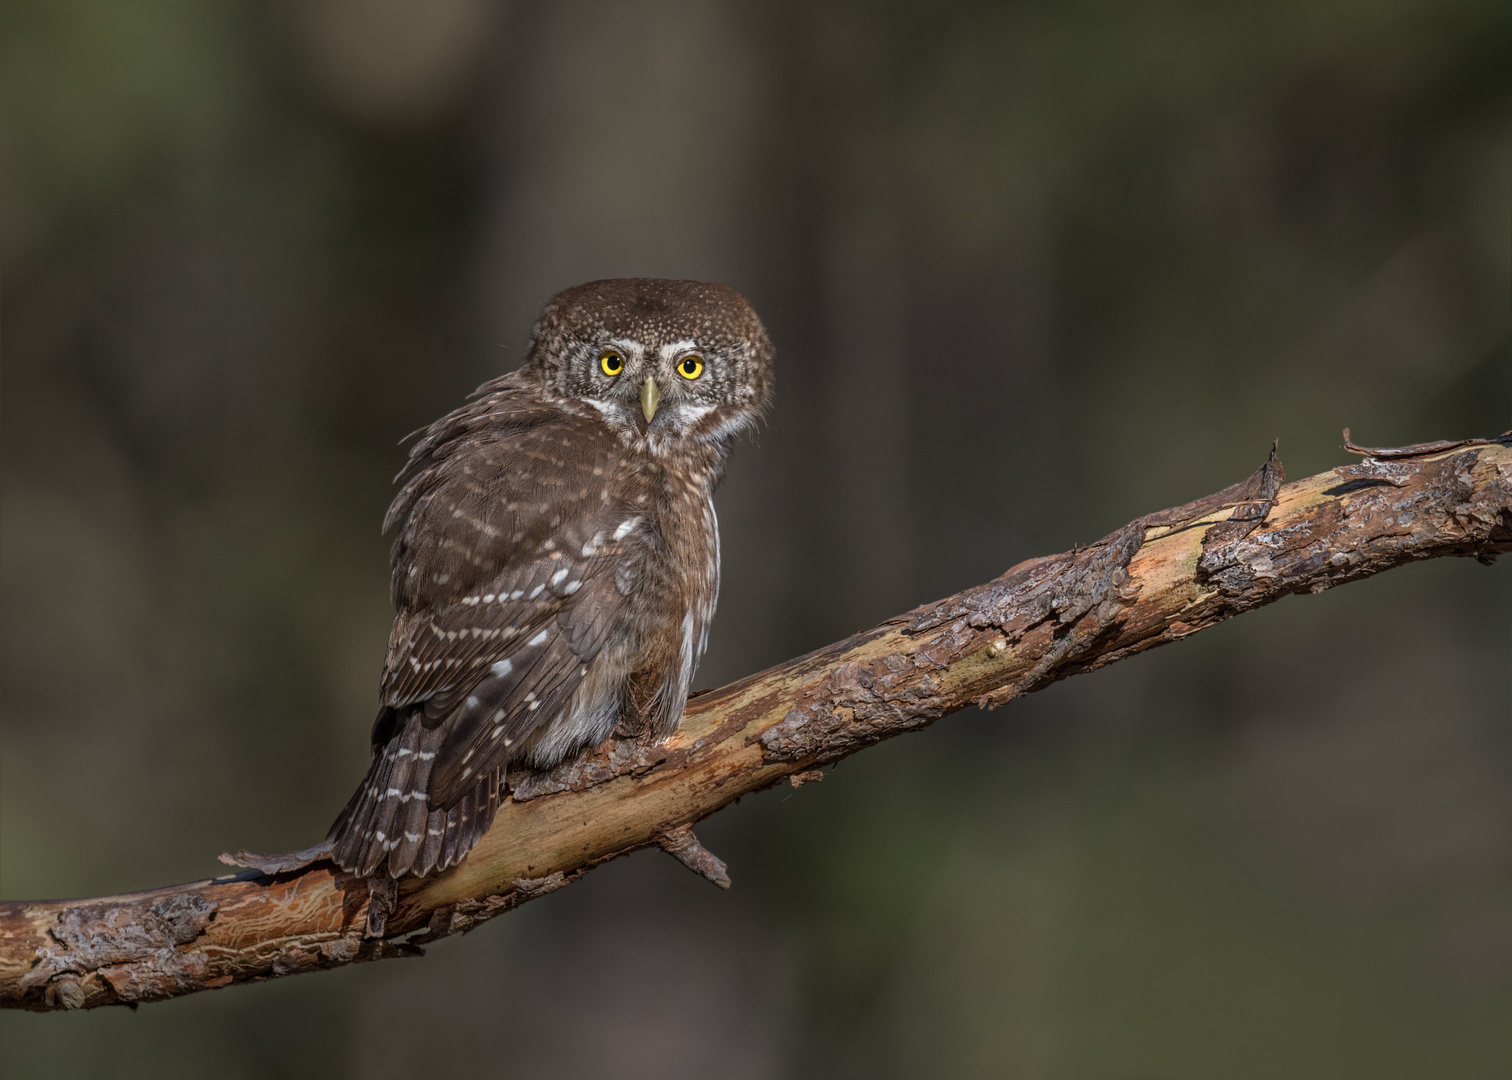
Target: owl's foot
{"points": [[631, 726], [383, 897]]}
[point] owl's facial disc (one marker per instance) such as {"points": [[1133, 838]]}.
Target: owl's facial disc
{"points": [[646, 388], [666, 364]]}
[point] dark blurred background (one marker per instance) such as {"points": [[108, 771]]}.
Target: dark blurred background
{"points": [[1032, 270]]}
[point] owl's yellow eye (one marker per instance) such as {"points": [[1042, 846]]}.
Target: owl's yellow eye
{"points": [[690, 367], [611, 363]]}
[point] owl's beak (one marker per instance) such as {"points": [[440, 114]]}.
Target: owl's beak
{"points": [[650, 397]]}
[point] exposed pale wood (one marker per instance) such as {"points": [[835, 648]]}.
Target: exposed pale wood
{"points": [[1159, 579]]}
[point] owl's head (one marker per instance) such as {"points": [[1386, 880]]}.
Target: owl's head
{"points": [[661, 360]]}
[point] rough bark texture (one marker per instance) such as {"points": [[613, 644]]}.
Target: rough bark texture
{"points": [[1156, 580]]}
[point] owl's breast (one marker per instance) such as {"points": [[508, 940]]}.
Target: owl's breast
{"points": [[679, 582]]}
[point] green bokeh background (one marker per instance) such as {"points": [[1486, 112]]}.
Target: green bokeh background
{"points": [[1032, 270]]}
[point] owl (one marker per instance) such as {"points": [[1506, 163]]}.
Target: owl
{"points": [[557, 559]]}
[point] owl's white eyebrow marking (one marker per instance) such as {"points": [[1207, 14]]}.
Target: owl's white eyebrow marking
{"points": [[677, 348], [629, 346]]}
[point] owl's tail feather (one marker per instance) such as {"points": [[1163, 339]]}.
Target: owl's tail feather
{"points": [[390, 822]]}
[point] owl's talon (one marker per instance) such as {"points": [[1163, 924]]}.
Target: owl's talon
{"points": [[627, 728], [383, 897]]}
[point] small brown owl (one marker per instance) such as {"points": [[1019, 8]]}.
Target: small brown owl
{"points": [[557, 559]]}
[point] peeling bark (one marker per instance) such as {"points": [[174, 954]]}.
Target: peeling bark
{"points": [[1158, 579]]}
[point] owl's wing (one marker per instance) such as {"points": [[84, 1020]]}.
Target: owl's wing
{"points": [[513, 563], [465, 684], [491, 668]]}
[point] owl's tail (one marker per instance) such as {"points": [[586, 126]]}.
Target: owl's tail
{"points": [[390, 822]]}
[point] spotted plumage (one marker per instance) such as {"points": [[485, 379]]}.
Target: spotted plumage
{"points": [[557, 559]]}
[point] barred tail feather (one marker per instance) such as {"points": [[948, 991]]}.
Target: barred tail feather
{"points": [[390, 822]]}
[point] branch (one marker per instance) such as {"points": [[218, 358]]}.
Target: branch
{"points": [[1158, 579]]}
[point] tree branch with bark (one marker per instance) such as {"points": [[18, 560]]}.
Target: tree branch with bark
{"points": [[1158, 579]]}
